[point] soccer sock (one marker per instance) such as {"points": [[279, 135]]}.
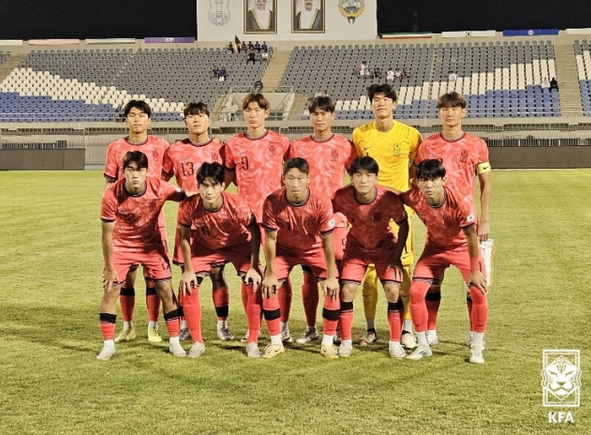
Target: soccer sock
{"points": [[310, 298], [272, 315], [127, 301], [346, 317], [469, 305], [370, 297], [478, 338], [128, 325], [422, 337], [222, 324], [330, 316], [107, 323], [253, 313], [479, 311], [405, 294], [395, 314], [418, 308], [285, 296], [433, 301], [221, 301], [172, 323], [152, 302], [192, 310]]}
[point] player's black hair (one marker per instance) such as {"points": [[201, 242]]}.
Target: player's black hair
{"points": [[297, 163], [430, 169], [365, 163], [141, 105], [322, 102], [137, 157], [213, 170], [196, 109], [451, 99], [260, 99], [384, 88]]}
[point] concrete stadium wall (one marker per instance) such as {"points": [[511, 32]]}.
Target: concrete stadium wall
{"points": [[68, 159]]}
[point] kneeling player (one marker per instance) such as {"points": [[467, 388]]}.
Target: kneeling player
{"points": [[298, 227], [226, 231], [369, 208], [129, 211], [451, 240]]}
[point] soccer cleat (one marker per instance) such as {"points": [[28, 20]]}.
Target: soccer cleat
{"points": [[310, 334], [245, 338], [177, 350], [125, 335], [286, 336], [154, 336], [396, 350], [252, 350], [184, 334], [329, 351], [420, 352], [196, 350], [337, 338], [476, 354], [106, 353], [272, 350], [368, 337], [407, 340], [432, 338], [224, 334], [345, 349]]}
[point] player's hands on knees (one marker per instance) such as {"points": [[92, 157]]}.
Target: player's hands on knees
{"points": [[188, 283], [252, 278], [269, 286], [477, 279], [109, 278], [331, 288]]}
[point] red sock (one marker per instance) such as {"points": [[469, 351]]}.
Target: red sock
{"points": [[127, 301], [221, 301], [192, 310], [395, 317], [152, 302], [107, 324], [433, 301], [285, 296], [418, 308], [253, 313], [310, 298], [330, 315], [346, 318], [172, 322], [478, 310], [244, 296], [272, 314]]}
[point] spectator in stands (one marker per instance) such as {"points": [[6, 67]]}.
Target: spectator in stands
{"points": [[390, 75], [309, 17], [222, 74], [264, 57], [224, 116], [264, 47], [377, 73], [363, 69], [231, 47], [545, 84], [232, 109], [258, 87], [257, 46], [250, 46], [398, 74], [261, 17], [215, 73], [251, 57], [554, 84], [405, 73], [452, 76]]}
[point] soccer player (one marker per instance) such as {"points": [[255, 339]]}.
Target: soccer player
{"points": [[393, 145], [298, 229], [254, 160], [138, 117], [130, 211], [182, 160], [369, 208], [465, 158], [217, 227], [328, 155], [452, 239]]}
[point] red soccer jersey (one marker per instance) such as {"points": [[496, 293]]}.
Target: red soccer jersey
{"points": [[136, 216], [328, 161], [258, 164], [153, 148], [183, 159], [217, 229], [460, 158], [370, 223], [298, 227], [444, 222]]}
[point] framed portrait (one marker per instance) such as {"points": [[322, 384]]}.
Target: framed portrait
{"points": [[307, 16], [260, 16]]}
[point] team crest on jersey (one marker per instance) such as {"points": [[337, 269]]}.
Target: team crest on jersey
{"points": [[271, 150], [464, 156], [334, 155], [219, 12], [397, 150], [351, 9]]}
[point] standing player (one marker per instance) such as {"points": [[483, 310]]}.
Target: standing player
{"points": [[298, 229], [138, 117], [465, 158], [130, 212], [369, 208], [329, 155], [182, 160], [452, 239], [217, 227], [393, 145], [254, 160]]}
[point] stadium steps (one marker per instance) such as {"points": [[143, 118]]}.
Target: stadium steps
{"points": [[568, 80], [297, 108], [10, 63], [275, 69]]}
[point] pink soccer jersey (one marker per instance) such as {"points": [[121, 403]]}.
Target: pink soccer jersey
{"points": [[258, 164], [460, 158], [444, 222], [153, 148], [370, 223], [136, 216], [217, 229], [183, 159], [298, 227], [328, 161]]}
